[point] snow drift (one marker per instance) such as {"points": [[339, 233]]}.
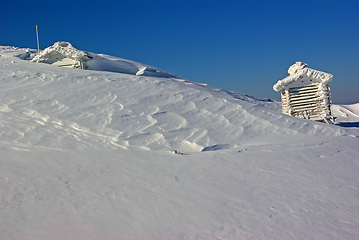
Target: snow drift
{"points": [[65, 55], [79, 109], [87, 155]]}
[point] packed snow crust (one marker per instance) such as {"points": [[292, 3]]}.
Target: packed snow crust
{"points": [[88, 155]]}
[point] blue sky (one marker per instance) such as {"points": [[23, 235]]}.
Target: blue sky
{"points": [[243, 46]]}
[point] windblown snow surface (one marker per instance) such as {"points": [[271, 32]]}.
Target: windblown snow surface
{"points": [[88, 155]]}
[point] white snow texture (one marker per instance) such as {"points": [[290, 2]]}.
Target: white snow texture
{"points": [[87, 154]]}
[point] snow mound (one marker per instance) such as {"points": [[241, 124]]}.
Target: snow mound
{"points": [[65, 49], [346, 115], [64, 54], [65, 108]]}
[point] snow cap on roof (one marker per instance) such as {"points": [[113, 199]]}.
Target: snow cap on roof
{"points": [[298, 71], [296, 67]]}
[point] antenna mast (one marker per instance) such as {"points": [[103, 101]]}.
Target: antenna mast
{"points": [[37, 36]]}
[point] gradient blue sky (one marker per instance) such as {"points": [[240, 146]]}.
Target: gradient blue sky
{"points": [[243, 46]]}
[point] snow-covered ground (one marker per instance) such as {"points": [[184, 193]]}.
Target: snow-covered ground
{"points": [[86, 154]]}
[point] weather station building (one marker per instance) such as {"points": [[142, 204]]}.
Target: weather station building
{"points": [[305, 93]]}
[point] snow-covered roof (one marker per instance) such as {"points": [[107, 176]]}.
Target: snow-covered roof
{"points": [[298, 71], [63, 48]]}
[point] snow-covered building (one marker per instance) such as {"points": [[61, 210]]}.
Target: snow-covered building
{"points": [[305, 93], [63, 54]]}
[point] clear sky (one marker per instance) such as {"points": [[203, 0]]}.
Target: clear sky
{"points": [[243, 46]]}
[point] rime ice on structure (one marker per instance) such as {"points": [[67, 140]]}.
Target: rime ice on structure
{"points": [[63, 54], [305, 93]]}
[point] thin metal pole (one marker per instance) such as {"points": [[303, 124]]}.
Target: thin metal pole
{"points": [[38, 45]]}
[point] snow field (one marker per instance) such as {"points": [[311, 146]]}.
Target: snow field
{"points": [[271, 191], [87, 155]]}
